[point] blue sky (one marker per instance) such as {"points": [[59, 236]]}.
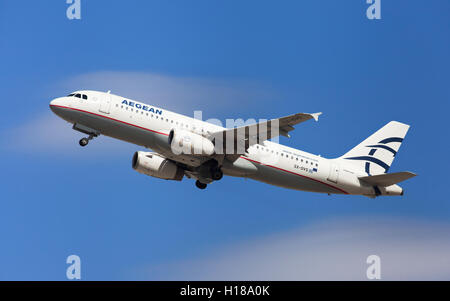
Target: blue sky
{"points": [[230, 59]]}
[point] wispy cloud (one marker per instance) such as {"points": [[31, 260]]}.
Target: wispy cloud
{"points": [[47, 133], [337, 250]]}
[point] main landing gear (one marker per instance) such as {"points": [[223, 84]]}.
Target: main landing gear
{"points": [[84, 141], [200, 185], [216, 174], [208, 172]]}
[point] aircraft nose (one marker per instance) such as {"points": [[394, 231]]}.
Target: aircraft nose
{"points": [[56, 103]]}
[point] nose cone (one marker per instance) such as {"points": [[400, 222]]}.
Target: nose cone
{"points": [[56, 104]]}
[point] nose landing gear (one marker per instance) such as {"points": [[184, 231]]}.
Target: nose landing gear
{"points": [[85, 130], [84, 141]]}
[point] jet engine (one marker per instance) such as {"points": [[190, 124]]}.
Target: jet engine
{"points": [[155, 165], [188, 143]]}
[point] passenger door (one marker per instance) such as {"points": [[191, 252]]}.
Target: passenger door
{"points": [[105, 104]]}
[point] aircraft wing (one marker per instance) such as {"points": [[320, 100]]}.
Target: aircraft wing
{"points": [[248, 135]]}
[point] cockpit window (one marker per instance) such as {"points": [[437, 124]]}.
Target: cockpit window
{"points": [[83, 96]]}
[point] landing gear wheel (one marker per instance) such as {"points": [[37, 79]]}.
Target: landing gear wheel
{"points": [[200, 185], [84, 141], [217, 175]]}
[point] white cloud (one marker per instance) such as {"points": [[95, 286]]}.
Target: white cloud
{"points": [[337, 250], [47, 133]]}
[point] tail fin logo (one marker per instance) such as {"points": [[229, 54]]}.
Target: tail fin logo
{"points": [[372, 159]]}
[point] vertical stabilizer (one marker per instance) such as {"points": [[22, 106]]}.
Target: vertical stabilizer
{"points": [[376, 154]]}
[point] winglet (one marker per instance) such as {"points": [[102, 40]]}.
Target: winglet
{"points": [[316, 115], [284, 133]]}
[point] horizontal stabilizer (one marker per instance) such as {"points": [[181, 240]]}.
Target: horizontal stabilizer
{"points": [[388, 179]]}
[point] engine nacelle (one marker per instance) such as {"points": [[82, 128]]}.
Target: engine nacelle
{"points": [[188, 143], [152, 164]]}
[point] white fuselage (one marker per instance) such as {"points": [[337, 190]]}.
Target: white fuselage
{"points": [[268, 162]]}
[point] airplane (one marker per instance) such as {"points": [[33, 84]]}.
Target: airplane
{"points": [[183, 146]]}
